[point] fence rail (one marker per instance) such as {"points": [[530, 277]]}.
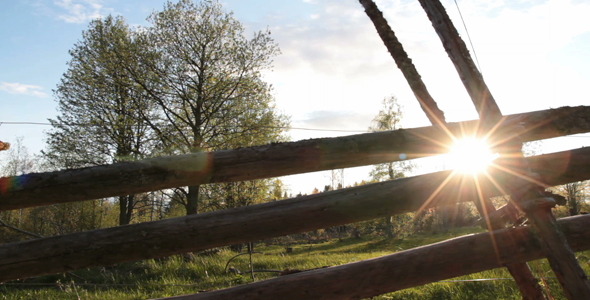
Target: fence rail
{"points": [[521, 178], [272, 160], [203, 231], [455, 257]]}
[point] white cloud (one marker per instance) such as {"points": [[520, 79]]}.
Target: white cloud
{"points": [[337, 120], [22, 89], [80, 11], [336, 61], [334, 69]]}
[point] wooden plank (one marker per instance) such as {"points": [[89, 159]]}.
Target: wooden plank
{"points": [[203, 231], [359, 280], [268, 160]]}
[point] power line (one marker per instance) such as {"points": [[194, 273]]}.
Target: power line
{"points": [[89, 125], [277, 127], [24, 123], [468, 36]]}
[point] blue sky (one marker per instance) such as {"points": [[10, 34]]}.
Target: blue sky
{"points": [[333, 71]]}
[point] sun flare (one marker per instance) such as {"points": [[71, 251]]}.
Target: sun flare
{"points": [[470, 155]]}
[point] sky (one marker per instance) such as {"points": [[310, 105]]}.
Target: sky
{"points": [[333, 71]]}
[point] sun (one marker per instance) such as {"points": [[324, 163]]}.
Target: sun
{"points": [[470, 155]]}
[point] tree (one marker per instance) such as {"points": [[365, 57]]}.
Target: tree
{"points": [[16, 161], [336, 177], [574, 192], [101, 108], [389, 118], [278, 190], [15, 225], [207, 83]]}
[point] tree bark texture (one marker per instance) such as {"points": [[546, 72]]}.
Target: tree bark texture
{"points": [[404, 63], [482, 98], [126, 205], [272, 160], [486, 106], [560, 254], [192, 200], [272, 219]]}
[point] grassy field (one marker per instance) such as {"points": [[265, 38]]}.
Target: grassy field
{"points": [[179, 275]]}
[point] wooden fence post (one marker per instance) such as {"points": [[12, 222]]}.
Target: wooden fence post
{"points": [[561, 257], [521, 272]]}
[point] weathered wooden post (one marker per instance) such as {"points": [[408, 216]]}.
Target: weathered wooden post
{"points": [[486, 106], [529, 197]]}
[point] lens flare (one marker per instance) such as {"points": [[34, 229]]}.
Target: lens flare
{"points": [[470, 155]]}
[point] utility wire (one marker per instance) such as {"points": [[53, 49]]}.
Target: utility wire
{"points": [[468, 37], [89, 124], [277, 127]]}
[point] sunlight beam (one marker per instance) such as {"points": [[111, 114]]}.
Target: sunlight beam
{"points": [[470, 155]]}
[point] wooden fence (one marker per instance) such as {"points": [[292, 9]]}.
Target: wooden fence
{"points": [[390, 273]]}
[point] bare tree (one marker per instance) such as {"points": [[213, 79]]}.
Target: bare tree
{"points": [[17, 160]]}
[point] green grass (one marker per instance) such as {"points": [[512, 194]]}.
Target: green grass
{"points": [[179, 275]]}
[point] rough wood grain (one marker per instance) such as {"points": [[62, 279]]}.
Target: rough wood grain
{"points": [[489, 115], [364, 279], [404, 63], [486, 106], [203, 231], [269, 160], [562, 259]]}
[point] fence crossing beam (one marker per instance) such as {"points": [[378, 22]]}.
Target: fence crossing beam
{"points": [[561, 258], [486, 106], [404, 63]]}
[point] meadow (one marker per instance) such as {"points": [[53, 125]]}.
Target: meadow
{"points": [[195, 272]]}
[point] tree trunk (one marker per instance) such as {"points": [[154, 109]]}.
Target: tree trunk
{"points": [[573, 205], [389, 227], [192, 200], [125, 209]]}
